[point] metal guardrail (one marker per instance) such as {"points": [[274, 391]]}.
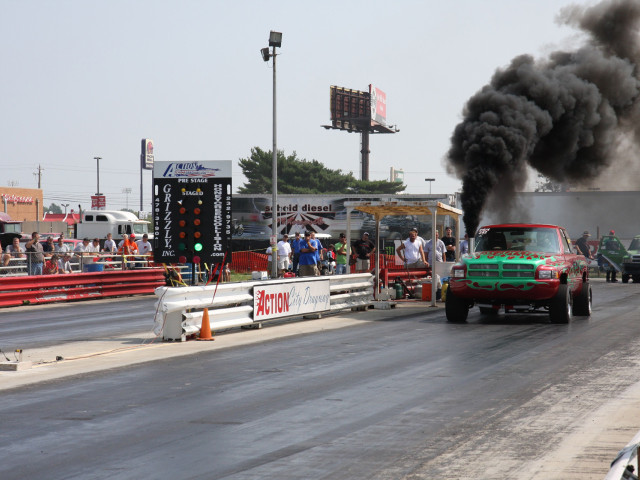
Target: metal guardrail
{"points": [[25, 290], [628, 457], [88, 261], [179, 310]]}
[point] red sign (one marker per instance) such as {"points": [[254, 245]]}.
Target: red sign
{"points": [[378, 105], [98, 201]]}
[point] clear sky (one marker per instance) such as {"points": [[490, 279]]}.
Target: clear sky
{"points": [[86, 78]]}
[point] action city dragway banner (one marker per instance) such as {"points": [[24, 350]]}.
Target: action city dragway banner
{"points": [[290, 299]]}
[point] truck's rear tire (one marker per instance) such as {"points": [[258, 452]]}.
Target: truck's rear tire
{"points": [[582, 303]]}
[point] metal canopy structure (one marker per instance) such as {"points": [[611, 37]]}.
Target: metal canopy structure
{"points": [[379, 210]]}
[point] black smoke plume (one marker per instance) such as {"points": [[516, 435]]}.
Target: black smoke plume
{"points": [[563, 116]]}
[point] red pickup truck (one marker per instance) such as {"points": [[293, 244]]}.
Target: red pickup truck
{"points": [[520, 267]]}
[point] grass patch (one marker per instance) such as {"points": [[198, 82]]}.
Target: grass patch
{"points": [[240, 277]]}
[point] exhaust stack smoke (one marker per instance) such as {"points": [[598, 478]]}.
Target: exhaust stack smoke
{"points": [[566, 116]]}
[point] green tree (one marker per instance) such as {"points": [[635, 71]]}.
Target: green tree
{"points": [[305, 177], [53, 208]]}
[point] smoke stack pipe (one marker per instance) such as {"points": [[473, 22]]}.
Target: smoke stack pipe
{"points": [[472, 244]]}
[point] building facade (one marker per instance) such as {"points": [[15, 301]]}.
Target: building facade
{"points": [[21, 204]]}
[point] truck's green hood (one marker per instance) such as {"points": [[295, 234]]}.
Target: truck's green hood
{"points": [[515, 257]]}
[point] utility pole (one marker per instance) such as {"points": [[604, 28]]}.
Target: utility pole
{"points": [[39, 175], [97, 159]]}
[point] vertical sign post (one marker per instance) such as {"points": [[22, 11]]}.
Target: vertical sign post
{"points": [[146, 163], [192, 212]]}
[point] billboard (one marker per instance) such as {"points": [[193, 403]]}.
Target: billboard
{"points": [[378, 105], [192, 212], [349, 107], [146, 154]]}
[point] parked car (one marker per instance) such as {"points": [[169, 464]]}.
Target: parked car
{"points": [[631, 262], [610, 254], [69, 242], [520, 267]]}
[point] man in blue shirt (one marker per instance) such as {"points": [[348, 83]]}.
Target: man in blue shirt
{"points": [[307, 265], [319, 247], [296, 252]]}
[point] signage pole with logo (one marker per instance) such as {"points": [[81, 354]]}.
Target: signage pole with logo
{"points": [[146, 163], [192, 213]]}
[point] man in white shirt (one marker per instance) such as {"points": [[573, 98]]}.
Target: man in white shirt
{"points": [[93, 247], [411, 252], [464, 245], [78, 251], [64, 265], [61, 247], [13, 251], [81, 247], [109, 244], [269, 266], [144, 245], [145, 248], [440, 250], [284, 255]]}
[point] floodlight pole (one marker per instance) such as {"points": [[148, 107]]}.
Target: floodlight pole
{"points": [[274, 180], [430, 180]]}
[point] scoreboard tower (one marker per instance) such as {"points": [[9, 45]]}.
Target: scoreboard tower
{"points": [[192, 212]]}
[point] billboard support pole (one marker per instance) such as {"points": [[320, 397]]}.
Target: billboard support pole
{"points": [[364, 155]]}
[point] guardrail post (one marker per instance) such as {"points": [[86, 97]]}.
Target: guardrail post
{"points": [[172, 329]]}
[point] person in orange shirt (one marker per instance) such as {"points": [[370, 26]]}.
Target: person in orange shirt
{"points": [[128, 248]]}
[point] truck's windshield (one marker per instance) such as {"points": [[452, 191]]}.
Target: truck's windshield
{"points": [[523, 238], [12, 227], [140, 228]]}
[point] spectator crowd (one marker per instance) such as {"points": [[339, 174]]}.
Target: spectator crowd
{"points": [[53, 255]]}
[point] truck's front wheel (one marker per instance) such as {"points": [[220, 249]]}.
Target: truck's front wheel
{"points": [[456, 309], [561, 308]]}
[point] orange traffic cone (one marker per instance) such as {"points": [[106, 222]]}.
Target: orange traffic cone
{"points": [[205, 328]]}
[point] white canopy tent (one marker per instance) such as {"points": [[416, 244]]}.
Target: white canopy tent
{"points": [[379, 210]]}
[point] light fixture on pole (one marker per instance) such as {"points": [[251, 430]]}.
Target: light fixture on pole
{"points": [[127, 191], [430, 180], [98, 172], [275, 40]]}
